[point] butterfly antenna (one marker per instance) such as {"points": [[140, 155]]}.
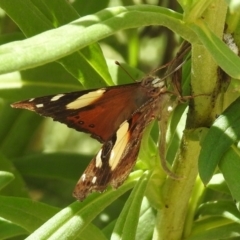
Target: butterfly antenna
{"points": [[163, 66], [119, 64], [176, 69], [172, 64]]}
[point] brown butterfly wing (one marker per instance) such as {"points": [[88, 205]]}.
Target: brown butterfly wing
{"points": [[115, 116], [115, 160], [98, 112]]}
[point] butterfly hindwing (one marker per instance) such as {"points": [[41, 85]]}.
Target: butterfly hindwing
{"points": [[115, 160]]}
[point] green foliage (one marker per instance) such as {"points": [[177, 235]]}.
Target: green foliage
{"points": [[47, 48]]}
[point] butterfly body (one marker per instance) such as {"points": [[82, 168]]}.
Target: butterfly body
{"points": [[116, 116]]}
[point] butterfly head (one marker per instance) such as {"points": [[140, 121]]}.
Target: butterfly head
{"points": [[155, 85]]}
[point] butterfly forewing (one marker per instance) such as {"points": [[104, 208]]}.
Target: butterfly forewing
{"points": [[91, 111]]}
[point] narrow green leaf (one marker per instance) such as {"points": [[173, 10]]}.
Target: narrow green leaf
{"points": [[8, 117], [45, 15], [76, 35], [230, 168], [146, 221], [71, 221], [90, 6], [5, 178], [19, 134], [64, 166], [91, 232], [218, 183], [221, 208], [127, 222], [223, 133], [221, 53], [30, 215], [223, 231], [89, 66], [25, 212], [17, 186], [45, 80], [9, 230], [194, 9]]}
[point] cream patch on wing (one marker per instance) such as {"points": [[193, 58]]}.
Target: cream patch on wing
{"points": [[40, 105], [94, 180], [120, 145], [83, 177], [57, 97], [98, 159], [86, 99]]}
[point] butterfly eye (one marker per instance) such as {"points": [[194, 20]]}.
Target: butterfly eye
{"points": [[147, 81]]}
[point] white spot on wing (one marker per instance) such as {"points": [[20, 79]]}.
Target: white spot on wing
{"points": [[98, 159], [120, 145], [86, 99], [55, 98], [39, 105], [30, 100], [94, 179], [83, 177], [170, 109]]}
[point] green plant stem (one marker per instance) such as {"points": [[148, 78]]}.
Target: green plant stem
{"points": [[177, 192], [202, 111]]}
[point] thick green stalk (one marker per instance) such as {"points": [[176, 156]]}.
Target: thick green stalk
{"points": [[202, 111]]}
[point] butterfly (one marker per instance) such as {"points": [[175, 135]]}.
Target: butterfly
{"points": [[116, 116]]}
